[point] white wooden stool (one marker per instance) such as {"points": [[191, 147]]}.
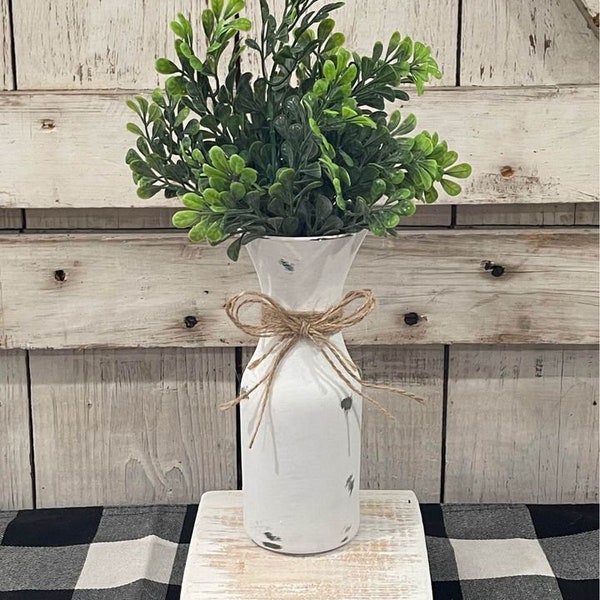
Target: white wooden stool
{"points": [[387, 559]]}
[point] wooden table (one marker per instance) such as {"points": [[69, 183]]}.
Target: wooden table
{"points": [[387, 559]]}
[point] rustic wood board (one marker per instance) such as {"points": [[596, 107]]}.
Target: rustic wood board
{"points": [[6, 74], [522, 425], [57, 288], [387, 559], [132, 426], [94, 44], [406, 452], [586, 214], [428, 215], [516, 214], [10, 218], [16, 491], [100, 218], [363, 23], [526, 42], [403, 453], [524, 145]]}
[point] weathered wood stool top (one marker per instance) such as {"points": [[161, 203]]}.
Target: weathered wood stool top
{"points": [[387, 559]]}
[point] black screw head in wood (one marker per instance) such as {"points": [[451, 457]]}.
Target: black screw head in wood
{"points": [[190, 321], [497, 270], [60, 275], [411, 318]]}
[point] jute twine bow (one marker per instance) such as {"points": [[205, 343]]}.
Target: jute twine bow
{"points": [[289, 327]]}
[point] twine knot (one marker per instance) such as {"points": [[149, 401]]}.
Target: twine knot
{"points": [[288, 327]]}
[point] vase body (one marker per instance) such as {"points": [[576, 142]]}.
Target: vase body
{"points": [[302, 474]]}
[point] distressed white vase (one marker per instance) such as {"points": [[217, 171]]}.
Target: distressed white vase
{"points": [[302, 475]]}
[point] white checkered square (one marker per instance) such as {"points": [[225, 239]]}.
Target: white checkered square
{"points": [[487, 559], [111, 564]]}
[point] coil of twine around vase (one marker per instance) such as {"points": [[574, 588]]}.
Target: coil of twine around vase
{"points": [[289, 327]]}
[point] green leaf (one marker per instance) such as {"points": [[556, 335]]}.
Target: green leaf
{"points": [[377, 51], [217, 7], [393, 43], [147, 191], [165, 67], [460, 171], [248, 176], [237, 164], [214, 233], [208, 22], [329, 70], [325, 28], [406, 208], [141, 168], [233, 250], [323, 208], [449, 159], [185, 218], [154, 112], [219, 159], [450, 187], [134, 129], [431, 195], [177, 28], [192, 200], [134, 107], [233, 7], [183, 114], [335, 41], [390, 220], [238, 190], [241, 24], [198, 232]]}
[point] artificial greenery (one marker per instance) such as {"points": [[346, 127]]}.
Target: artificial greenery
{"points": [[303, 148]]}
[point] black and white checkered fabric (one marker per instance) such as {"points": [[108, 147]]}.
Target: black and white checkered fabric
{"points": [[489, 552]]}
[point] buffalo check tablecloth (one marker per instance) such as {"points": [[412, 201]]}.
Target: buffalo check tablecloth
{"points": [[489, 552]]}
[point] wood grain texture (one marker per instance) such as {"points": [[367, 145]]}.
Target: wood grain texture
{"points": [[363, 23], [526, 42], [386, 560], [522, 425], [536, 133], [586, 214], [16, 491], [124, 290], [132, 426], [10, 218], [6, 74], [100, 218], [516, 214], [94, 44], [405, 453], [158, 218]]}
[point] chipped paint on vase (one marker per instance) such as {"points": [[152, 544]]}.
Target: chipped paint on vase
{"points": [[301, 477]]}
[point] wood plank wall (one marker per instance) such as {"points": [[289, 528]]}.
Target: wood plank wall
{"points": [[108, 396]]}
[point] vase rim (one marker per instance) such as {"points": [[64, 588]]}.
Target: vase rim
{"points": [[314, 238]]}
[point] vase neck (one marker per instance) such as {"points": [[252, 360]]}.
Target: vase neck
{"points": [[304, 273]]}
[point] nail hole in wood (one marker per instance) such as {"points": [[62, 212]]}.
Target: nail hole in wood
{"points": [[60, 275], [507, 171], [411, 318], [48, 124], [190, 321]]}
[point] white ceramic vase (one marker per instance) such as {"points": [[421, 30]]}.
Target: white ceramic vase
{"points": [[302, 474]]}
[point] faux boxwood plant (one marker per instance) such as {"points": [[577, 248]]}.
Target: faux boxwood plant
{"points": [[302, 147]]}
